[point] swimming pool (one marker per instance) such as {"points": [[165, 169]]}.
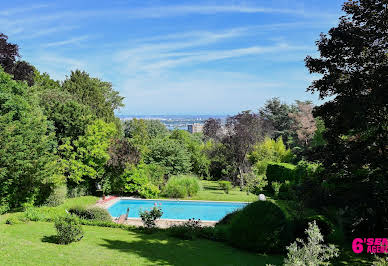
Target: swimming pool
{"points": [[173, 209]]}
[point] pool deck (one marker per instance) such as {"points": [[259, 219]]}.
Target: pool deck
{"points": [[161, 223]]}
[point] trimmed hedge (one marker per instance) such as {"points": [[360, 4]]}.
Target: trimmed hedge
{"points": [[280, 172], [92, 213]]}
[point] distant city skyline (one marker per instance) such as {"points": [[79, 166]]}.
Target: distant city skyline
{"points": [[177, 57]]}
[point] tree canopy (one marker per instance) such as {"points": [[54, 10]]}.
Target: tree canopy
{"points": [[353, 63]]}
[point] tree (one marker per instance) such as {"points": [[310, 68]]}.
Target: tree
{"points": [[28, 163], [155, 128], [70, 118], [193, 144], [212, 129], [276, 113], [9, 53], [170, 154], [136, 131], [353, 63], [304, 122], [96, 94], [244, 130], [86, 158]]}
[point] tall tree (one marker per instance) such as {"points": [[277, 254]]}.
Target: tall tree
{"points": [[276, 113], [304, 122], [28, 163], [353, 63], [244, 130], [69, 117], [212, 129], [98, 95], [9, 54]]}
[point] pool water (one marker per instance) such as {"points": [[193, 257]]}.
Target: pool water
{"points": [[173, 209]]}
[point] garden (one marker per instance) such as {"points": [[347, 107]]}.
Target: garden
{"points": [[313, 177]]}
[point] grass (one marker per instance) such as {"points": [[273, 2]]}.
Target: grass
{"points": [[31, 244], [49, 213], [211, 191]]}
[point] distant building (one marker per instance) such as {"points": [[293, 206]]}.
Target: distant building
{"points": [[195, 128]]}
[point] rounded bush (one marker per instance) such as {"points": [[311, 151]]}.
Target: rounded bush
{"points": [[69, 229], [261, 226], [182, 186]]}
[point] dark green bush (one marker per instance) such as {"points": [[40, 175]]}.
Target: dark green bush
{"points": [[261, 226], [227, 218], [182, 186], [57, 196], [92, 213], [280, 172], [188, 230], [324, 224], [69, 229]]}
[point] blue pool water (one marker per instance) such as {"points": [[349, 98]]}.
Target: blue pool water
{"points": [[207, 211]]}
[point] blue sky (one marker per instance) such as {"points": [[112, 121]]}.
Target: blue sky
{"points": [[177, 57]]}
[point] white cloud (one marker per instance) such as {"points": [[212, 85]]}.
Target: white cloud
{"points": [[16, 10], [68, 41]]}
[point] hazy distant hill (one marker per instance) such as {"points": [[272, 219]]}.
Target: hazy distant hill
{"points": [[175, 121]]}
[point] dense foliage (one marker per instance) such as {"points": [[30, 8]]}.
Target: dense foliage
{"points": [[260, 226], [69, 229], [181, 186], [353, 63], [29, 166]]}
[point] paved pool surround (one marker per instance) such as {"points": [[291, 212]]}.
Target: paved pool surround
{"points": [[162, 223]]}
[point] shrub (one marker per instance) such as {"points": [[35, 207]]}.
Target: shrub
{"points": [[57, 196], [69, 229], [93, 213], [149, 217], [280, 172], [78, 191], [182, 186], [3, 209], [261, 226], [287, 191], [225, 186], [308, 170], [380, 261], [325, 225], [276, 188], [34, 214], [188, 230], [137, 182], [227, 218], [15, 220], [314, 252]]}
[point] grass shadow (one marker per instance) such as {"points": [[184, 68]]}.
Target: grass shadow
{"points": [[50, 239], [163, 250]]}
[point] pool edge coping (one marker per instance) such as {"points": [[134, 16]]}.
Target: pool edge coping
{"points": [[109, 203]]}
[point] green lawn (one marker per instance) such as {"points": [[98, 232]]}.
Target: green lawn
{"points": [[30, 244], [211, 191]]}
